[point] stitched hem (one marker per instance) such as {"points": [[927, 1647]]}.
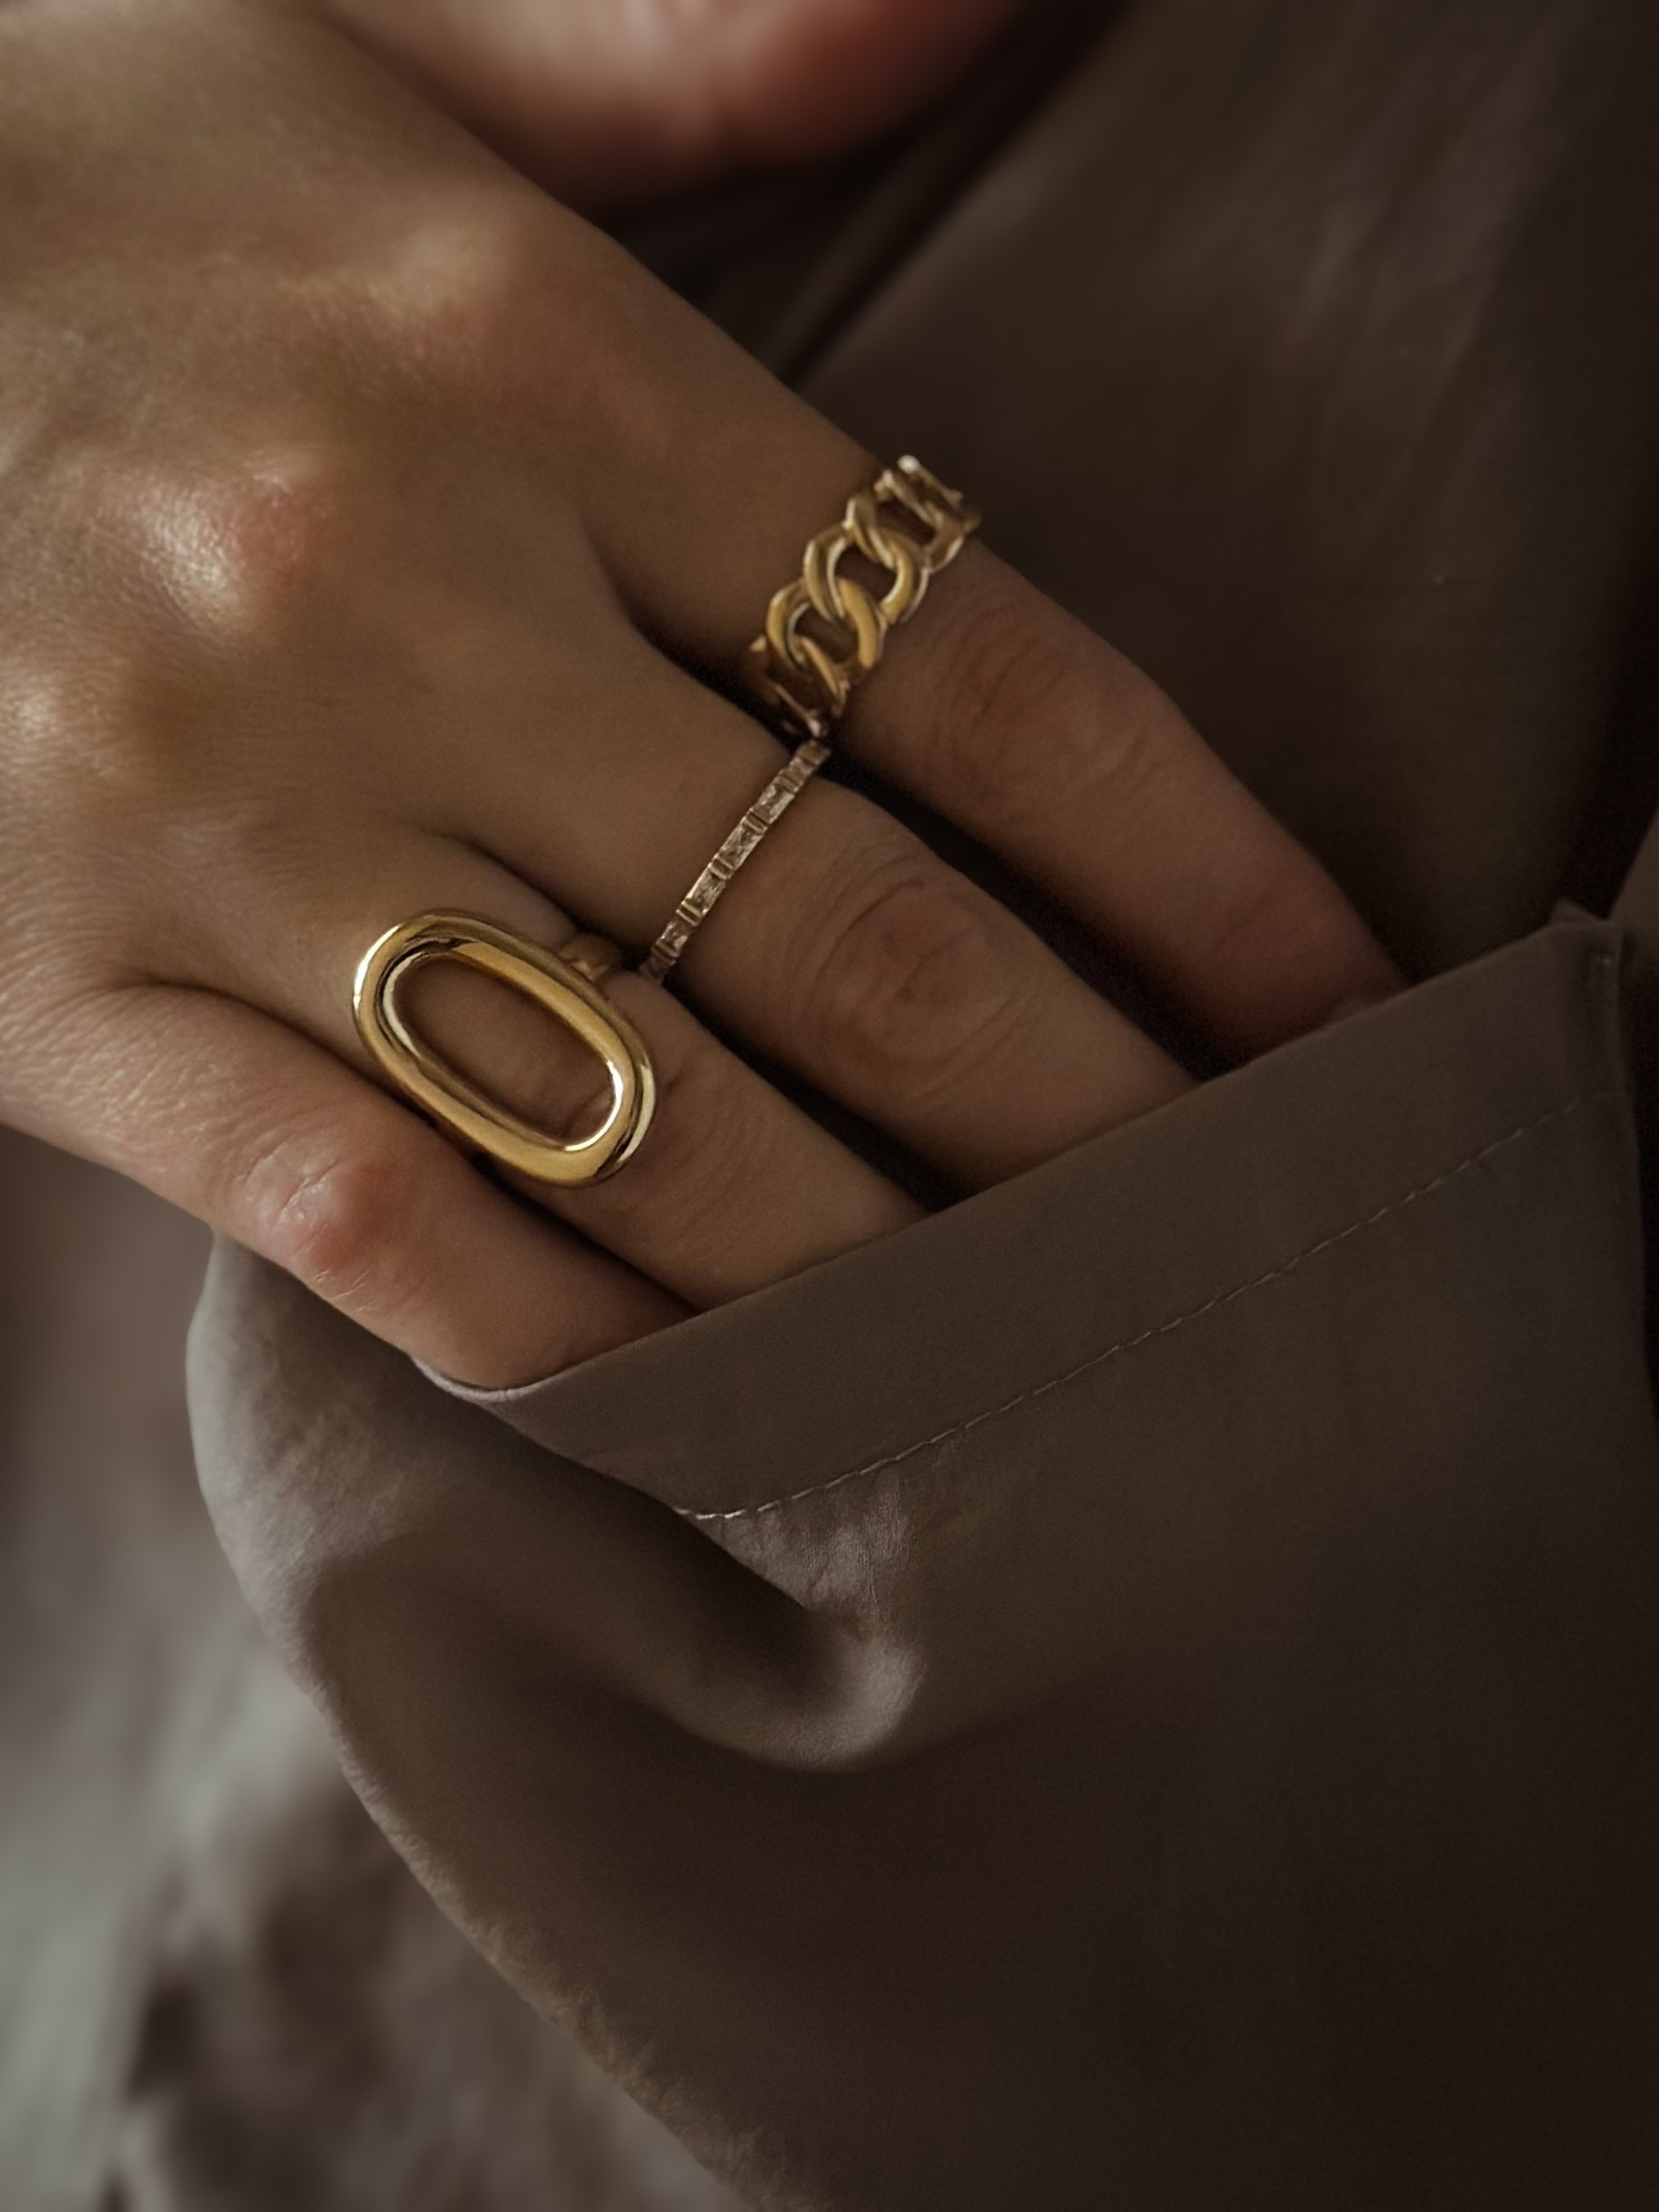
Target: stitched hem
{"points": [[1159, 1329]]}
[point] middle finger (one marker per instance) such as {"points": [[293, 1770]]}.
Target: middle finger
{"points": [[845, 949]]}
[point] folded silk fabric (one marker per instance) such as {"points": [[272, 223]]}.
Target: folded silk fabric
{"points": [[1141, 1689]]}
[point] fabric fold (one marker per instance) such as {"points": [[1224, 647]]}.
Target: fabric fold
{"points": [[855, 1371], [924, 1840]]}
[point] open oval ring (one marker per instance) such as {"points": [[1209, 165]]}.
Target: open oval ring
{"points": [[565, 985]]}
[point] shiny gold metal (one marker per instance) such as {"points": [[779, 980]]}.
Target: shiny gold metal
{"points": [[699, 902], [564, 984], [907, 523], [595, 957]]}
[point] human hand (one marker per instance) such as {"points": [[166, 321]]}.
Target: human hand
{"points": [[611, 105], [363, 513]]}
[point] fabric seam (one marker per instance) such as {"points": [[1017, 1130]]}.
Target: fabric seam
{"points": [[1168, 1327]]}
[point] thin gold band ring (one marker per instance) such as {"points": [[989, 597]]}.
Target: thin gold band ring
{"points": [[744, 841]]}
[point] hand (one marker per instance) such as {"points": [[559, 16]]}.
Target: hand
{"points": [[611, 105], [361, 516]]}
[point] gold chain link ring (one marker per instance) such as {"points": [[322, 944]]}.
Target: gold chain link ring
{"points": [[909, 524]]}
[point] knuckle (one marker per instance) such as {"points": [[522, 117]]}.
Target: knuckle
{"points": [[221, 547], [337, 1220], [91, 743], [1283, 946], [118, 763], [257, 540], [498, 302], [456, 297], [1021, 702], [910, 985], [193, 570]]}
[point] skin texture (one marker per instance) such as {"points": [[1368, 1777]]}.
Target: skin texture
{"points": [[363, 513], [614, 101]]}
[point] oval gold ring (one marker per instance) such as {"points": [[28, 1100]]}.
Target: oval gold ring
{"points": [[566, 985]]}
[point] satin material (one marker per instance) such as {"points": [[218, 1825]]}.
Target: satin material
{"points": [[1173, 1637]]}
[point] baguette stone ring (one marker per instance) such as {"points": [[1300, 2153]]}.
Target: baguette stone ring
{"points": [[568, 985]]}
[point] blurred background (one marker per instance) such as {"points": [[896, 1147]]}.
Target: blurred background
{"points": [[219, 1988]]}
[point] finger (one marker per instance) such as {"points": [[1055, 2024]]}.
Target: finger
{"points": [[995, 708], [734, 1187], [612, 106], [279, 1145], [1043, 742], [844, 949]]}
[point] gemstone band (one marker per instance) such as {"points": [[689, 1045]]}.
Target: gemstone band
{"points": [[699, 902]]}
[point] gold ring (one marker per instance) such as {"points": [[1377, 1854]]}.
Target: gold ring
{"points": [[909, 524], [566, 984], [699, 902]]}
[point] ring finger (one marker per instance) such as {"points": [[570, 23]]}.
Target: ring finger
{"points": [[736, 1186], [845, 949]]}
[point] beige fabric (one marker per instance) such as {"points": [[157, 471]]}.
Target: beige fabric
{"points": [[219, 1988], [1181, 1709], [119, 1626]]}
